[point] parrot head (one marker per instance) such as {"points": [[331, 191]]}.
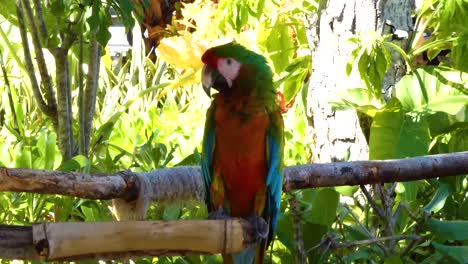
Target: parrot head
{"points": [[231, 69]]}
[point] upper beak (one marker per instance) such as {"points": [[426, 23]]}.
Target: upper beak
{"points": [[211, 78]]}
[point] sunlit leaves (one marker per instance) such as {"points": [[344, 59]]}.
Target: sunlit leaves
{"points": [[295, 76], [237, 13], [433, 89], [278, 44], [446, 20], [460, 51], [452, 15], [373, 60], [182, 52]]}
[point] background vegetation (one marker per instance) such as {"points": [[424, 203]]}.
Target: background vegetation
{"points": [[150, 114]]}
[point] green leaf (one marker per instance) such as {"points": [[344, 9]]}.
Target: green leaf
{"points": [[172, 211], [23, 158], [394, 135], [385, 135], [103, 35], [73, 164], [433, 89], [361, 253], [278, 44], [393, 260], [409, 190], [449, 230], [92, 15], [58, 8], [459, 253], [88, 213], [315, 233], [256, 8], [284, 231], [8, 10], [439, 198], [323, 208], [347, 190], [459, 140], [297, 72], [414, 137], [460, 52], [46, 145]]}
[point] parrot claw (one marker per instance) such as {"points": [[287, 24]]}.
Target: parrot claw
{"points": [[219, 214], [260, 226]]}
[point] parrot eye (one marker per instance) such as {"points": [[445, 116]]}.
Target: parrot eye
{"points": [[229, 68]]}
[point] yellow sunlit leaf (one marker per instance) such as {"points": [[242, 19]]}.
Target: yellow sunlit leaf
{"points": [[181, 51], [106, 59]]}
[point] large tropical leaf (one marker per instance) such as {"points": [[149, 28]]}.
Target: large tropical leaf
{"points": [[433, 89]]}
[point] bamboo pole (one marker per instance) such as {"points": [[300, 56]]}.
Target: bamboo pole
{"points": [[117, 240]]}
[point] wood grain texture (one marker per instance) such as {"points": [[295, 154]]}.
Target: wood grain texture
{"points": [[117, 240]]}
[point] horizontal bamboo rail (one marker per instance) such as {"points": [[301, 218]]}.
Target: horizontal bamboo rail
{"points": [[122, 240]]}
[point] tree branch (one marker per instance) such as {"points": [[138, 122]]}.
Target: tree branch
{"points": [[185, 183], [373, 241], [373, 171], [372, 202]]}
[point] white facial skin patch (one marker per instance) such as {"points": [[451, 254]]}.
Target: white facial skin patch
{"points": [[229, 68]]}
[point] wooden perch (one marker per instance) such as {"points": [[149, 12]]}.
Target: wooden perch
{"points": [[120, 240], [185, 183]]}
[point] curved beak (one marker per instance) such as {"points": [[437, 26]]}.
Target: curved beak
{"points": [[211, 78], [207, 80]]}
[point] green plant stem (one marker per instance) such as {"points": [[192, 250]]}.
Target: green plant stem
{"points": [[401, 52], [40, 20], [81, 113], [432, 44], [41, 64], [49, 111], [10, 98], [64, 115], [91, 90]]}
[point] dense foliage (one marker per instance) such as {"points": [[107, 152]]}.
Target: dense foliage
{"points": [[150, 115]]}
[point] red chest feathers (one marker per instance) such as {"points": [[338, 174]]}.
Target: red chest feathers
{"points": [[240, 153]]}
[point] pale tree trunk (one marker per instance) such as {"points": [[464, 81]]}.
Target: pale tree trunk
{"points": [[337, 134]]}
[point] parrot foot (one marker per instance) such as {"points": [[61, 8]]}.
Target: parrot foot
{"points": [[219, 214], [259, 225]]}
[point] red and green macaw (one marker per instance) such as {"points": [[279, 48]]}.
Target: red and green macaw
{"points": [[242, 159]]}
